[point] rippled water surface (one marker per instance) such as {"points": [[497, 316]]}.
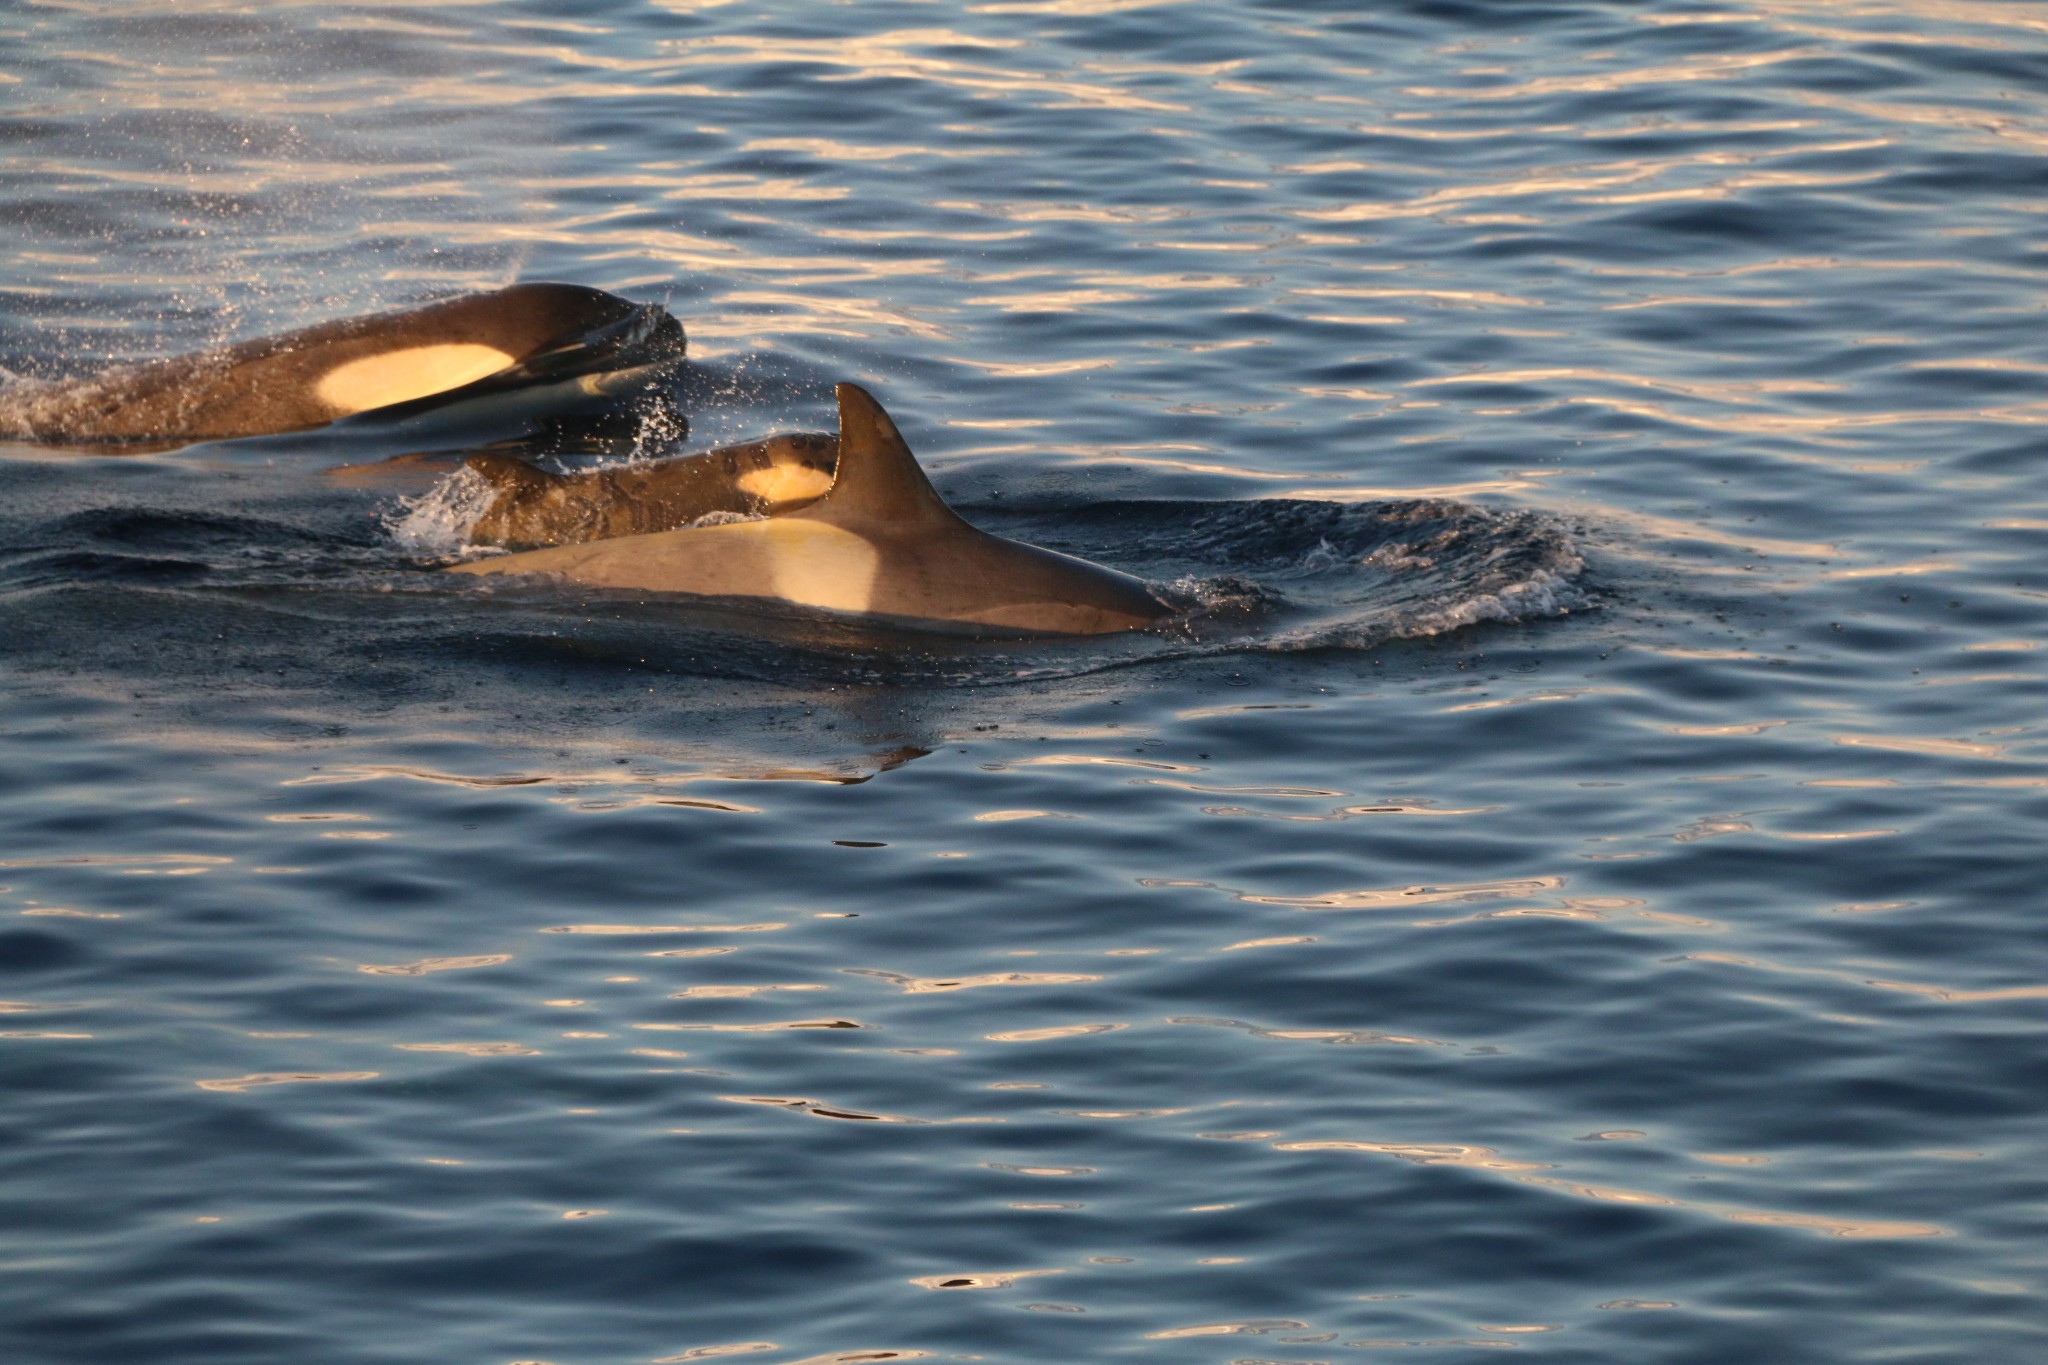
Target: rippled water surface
{"points": [[1575, 891]]}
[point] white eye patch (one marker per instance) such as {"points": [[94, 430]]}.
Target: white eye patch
{"points": [[377, 381], [782, 483]]}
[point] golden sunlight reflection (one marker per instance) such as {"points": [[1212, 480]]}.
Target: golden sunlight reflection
{"points": [[1034, 369], [1043, 1035], [937, 985], [260, 1079], [436, 964], [1420, 1153], [1907, 570], [1711, 66], [1468, 297], [471, 1049], [1946, 994], [1341, 1037], [1910, 744], [999, 1279], [1050, 1172], [1382, 898], [1001, 817], [1726, 392], [1840, 1227], [1581, 181], [1743, 728], [1069, 7], [1280, 793], [786, 311], [716, 1352], [1488, 1159], [1257, 1327], [777, 1027], [617, 930], [820, 1109], [882, 56], [1531, 479], [741, 992], [180, 864], [830, 149], [1342, 813], [1283, 942], [1093, 760], [1563, 694]]}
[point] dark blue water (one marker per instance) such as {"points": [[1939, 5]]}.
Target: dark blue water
{"points": [[1575, 891]]}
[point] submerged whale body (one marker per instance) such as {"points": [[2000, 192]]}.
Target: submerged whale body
{"points": [[584, 343], [878, 543], [531, 508]]}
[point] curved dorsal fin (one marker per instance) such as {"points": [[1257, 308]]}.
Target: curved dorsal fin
{"points": [[878, 479]]}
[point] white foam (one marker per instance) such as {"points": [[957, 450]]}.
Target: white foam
{"points": [[437, 523], [1547, 592]]}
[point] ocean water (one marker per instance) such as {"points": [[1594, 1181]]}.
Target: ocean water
{"points": [[1572, 893]]}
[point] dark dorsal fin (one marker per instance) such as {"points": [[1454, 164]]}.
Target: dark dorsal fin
{"points": [[878, 479]]}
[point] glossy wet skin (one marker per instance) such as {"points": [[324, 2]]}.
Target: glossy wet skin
{"points": [[534, 508], [294, 381], [880, 543]]}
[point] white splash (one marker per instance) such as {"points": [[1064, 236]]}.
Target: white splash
{"points": [[1547, 592], [436, 524]]}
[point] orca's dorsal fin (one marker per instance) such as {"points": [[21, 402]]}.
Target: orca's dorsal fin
{"points": [[878, 480]]}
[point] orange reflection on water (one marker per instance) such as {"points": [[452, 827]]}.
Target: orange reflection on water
{"points": [[820, 1109], [741, 992], [714, 1352], [1383, 898], [1946, 994], [1098, 760], [1486, 1158], [1342, 1037], [997, 1279], [1910, 744], [935, 985], [1041, 1035], [1561, 694], [1256, 1327], [1268, 943], [629, 929], [1342, 813], [1839, 1227], [180, 864], [255, 1080], [895, 55], [1466, 297], [436, 964], [1420, 1153], [751, 1028], [1711, 66]]}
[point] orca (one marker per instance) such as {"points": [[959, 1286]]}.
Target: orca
{"points": [[533, 508], [879, 543], [582, 345]]}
